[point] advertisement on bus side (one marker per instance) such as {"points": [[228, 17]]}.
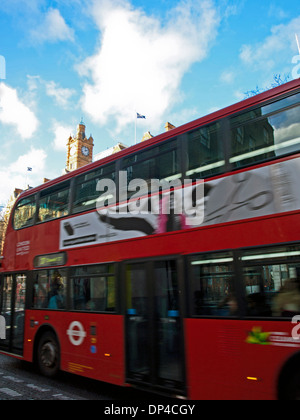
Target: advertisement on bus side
{"points": [[243, 195]]}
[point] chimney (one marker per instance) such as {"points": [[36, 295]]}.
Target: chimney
{"points": [[147, 136], [169, 126]]}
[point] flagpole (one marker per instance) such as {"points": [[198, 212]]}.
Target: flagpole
{"points": [[29, 169], [135, 128], [25, 188], [137, 115], [297, 40]]}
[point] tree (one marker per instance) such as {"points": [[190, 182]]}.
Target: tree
{"points": [[277, 81], [3, 225]]}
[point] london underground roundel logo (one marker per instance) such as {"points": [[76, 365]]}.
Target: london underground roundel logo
{"points": [[76, 333]]}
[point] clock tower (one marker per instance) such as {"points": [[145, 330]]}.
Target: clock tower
{"points": [[79, 149]]}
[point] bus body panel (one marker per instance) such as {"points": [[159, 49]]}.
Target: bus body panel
{"points": [[91, 345], [240, 368], [271, 229]]}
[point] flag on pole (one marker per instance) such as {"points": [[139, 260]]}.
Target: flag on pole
{"points": [[138, 116]]}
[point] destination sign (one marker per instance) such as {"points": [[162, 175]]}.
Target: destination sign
{"points": [[50, 260]]}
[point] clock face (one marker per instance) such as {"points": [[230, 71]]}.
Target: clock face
{"points": [[85, 151]]}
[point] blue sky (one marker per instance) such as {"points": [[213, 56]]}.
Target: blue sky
{"points": [[103, 60]]}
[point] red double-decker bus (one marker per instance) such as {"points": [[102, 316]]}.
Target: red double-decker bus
{"points": [[155, 299]]}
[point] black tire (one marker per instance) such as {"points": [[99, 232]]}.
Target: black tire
{"points": [[48, 355], [290, 389]]}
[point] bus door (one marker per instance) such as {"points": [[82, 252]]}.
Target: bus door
{"points": [[154, 325], [12, 308]]}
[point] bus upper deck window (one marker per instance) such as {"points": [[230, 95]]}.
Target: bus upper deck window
{"points": [[24, 213], [54, 202]]}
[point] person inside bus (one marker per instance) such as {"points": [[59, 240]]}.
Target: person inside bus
{"points": [[57, 297], [287, 301], [228, 306]]}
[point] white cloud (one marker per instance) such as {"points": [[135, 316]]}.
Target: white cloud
{"points": [[140, 62], [34, 158], [227, 77], [52, 28], [61, 95], [61, 135], [17, 176], [32, 82], [14, 112], [277, 47], [277, 12], [52, 89]]}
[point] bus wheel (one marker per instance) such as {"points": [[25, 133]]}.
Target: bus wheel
{"points": [[48, 355], [292, 391]]}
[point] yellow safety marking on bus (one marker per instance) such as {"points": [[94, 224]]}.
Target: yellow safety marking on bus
{"points": [[252, 378], [76, 367]]}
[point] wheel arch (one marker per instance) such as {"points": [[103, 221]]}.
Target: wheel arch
{"points": [[40, 332], [288, 372]]}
